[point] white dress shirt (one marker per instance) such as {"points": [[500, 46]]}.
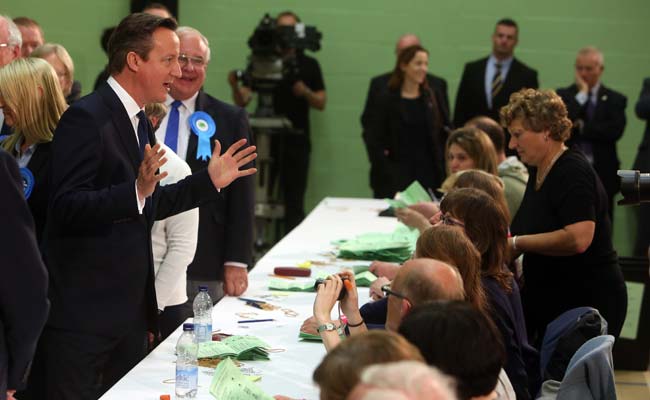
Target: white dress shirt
{"points": [[132, 109]]}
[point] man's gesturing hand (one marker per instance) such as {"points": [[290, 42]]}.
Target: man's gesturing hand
{"points": [[147, 174], [223, 169]]}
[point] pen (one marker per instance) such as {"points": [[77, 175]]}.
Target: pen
{"points": [[255, 304], [251, 300], [246, 321]]}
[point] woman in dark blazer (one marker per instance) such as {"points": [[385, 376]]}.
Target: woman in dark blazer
{"points": [[405, 137], [32, 101]]}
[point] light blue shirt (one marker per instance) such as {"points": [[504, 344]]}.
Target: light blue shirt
{"points": [[490, 69], [24, 158]]}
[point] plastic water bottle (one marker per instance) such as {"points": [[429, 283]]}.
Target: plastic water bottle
{"points": [[203, 315], [187, 370]]}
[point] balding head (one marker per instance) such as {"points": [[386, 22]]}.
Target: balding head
{"points": [[406, 40], [9, 35], [420, 281]]}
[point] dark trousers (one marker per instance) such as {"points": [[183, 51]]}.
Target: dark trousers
{"points": [[70, 365], [291, 155], [170, 319]]}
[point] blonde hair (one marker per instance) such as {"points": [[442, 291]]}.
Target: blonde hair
{"points": [[30, 89], [538, 110], [477, 145], [62, 54]]}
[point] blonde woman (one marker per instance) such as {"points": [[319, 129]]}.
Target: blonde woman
{"points": [[31, 99], [60, 60]]}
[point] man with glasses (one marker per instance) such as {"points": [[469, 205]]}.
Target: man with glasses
{"points": [[225, 241], [420, 281], [10, 44]]}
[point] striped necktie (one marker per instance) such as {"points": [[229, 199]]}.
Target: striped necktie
{"points": [[497, 82]]}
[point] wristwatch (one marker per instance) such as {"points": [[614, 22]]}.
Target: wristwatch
{"points": [[326, 327]]}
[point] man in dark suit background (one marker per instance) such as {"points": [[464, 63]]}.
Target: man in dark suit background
{"points": [[23, 287], [104, 199], [378, 89], [486, 84], [225, 241], [642, 163], [598, 116]]}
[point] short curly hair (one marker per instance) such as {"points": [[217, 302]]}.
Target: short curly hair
{"points": [[538, 110]]}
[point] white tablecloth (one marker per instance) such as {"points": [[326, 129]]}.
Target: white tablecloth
{"points": [[290, 370]]}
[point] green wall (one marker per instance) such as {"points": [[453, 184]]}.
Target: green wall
{"points": [[358, 43]]}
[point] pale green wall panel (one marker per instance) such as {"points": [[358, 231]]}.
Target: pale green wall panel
{"points": [[358, 43]]}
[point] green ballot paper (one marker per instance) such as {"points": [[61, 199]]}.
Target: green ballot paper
{"points": [[245, 348], [291, 285], [393, 247], [229, 383], [413, 194], [364, 279]]}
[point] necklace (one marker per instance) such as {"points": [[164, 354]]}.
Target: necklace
{"points": [[539, 179]]}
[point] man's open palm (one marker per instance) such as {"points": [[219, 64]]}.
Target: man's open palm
{"points": [[224, 168]]}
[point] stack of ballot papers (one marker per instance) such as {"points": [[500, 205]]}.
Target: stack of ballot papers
{"points": [[392, 247], [229, 383], [362, 279], [244, 348], [413, 194]]}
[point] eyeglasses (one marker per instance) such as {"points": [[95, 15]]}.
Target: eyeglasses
{"points": [[447, 219], [183, 59], [388, 292]]}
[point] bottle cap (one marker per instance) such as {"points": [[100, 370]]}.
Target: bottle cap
{"points": [[188, 326], [165, 397], [203, 288]]}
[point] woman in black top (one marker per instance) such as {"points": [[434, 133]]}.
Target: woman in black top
{"points": [[405, 136], [562, 227]]}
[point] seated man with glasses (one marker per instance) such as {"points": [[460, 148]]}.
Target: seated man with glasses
{"points": [[419, 281]]}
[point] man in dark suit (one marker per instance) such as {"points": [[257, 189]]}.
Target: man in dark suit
{"points": [[598, 116], [23, 286], [486, 84], [9, 35], [225, 241], [642, 163], [379, 88], [104, 199]]}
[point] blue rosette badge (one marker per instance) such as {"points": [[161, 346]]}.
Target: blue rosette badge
{"points": [[204, 127], [28, 181]]}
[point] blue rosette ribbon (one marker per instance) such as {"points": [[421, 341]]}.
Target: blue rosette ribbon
{"points": [[28, 181], [204, 128]]}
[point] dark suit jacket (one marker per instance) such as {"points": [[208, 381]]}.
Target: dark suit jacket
{"points": [[642, 110], [23, 286], [603, 131], [226, 225], [471, 101], [380, 135], [384, 141], [98, 247], [39, 165]]}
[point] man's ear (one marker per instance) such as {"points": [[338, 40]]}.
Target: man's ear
{"points": [[405, 307], [133, 61]]}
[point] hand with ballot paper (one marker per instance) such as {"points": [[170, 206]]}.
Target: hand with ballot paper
{"points": [[412, 218], [326, 297]]}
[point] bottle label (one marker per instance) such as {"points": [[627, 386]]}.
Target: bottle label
{"points": [[202, 332], [187, 377]]}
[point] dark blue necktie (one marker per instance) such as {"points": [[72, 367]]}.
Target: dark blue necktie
{"points": [[171, 135], [143, 132], [591, 106]]}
